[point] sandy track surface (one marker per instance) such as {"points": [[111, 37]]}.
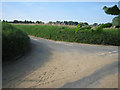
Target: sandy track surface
{"points": [[54, 64]]}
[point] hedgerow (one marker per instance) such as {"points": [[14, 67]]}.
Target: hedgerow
{"points": [[14, 42], [58, 33]]}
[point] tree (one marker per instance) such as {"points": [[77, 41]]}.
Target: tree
{"points": [[15, 21], [37, 22], [116, 21], [25, 21], [50, 22], [106, 25], [57, 22], [76, 23], [113, 11], [3, 20], [86, 23], [66, 23], [95, 24]]}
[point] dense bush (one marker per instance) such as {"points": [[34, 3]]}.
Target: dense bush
{"points": [[79, 27], [107, 37], [14, 42], [112, 10], [99, 29], [116, 21], [115, 10], [107, 25], [85, 28]]}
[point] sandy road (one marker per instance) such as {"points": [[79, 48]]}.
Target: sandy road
{"points": [[57, 64]]}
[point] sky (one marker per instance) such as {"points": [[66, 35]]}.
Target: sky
{"points": [[91, 12]]}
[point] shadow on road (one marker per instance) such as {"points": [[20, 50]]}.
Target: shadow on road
{"points": [[94, 77], [14, 71]]}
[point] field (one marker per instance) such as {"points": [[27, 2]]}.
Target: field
{"points": [[69, 34], [14, 41]]}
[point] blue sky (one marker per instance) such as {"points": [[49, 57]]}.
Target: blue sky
{"points": [[90, 12]]}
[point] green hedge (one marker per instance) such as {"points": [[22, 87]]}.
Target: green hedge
{"points": [[106, 37], [116, 21], [14, 42], [107, 25]]}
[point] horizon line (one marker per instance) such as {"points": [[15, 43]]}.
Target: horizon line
{"points": [[54, 21]]}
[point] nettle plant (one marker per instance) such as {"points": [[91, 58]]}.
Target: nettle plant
{"points": [[114, 11]]}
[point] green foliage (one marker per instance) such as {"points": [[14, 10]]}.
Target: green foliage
{"points": [[95, 24], [116, 21], [99, 29], [78, 27], [85, 28], [112, 10], [16, 21], [107, 25], [107, 37], [14, 41], [39, 22], [67, 22], [81, 27]]}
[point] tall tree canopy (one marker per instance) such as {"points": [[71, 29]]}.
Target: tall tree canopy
{"points": [[113, 11]]}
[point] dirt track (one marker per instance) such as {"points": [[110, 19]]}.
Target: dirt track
{"points": [[57, 64]]}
